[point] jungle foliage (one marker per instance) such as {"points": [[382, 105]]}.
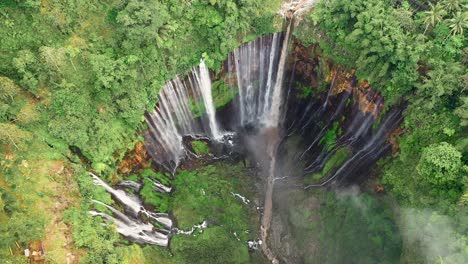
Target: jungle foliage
{"points": [[198, 197], [342, 226], [414, 53], [79, 75]]}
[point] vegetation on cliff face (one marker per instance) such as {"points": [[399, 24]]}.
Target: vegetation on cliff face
{"points": [[207, 194], [200, 147], [412, 52], [338, 158], [342, 226]]}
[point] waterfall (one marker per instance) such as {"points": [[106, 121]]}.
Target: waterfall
{"points": [[130, 185], [202, 81], [274, 116], [136, 232], [132, 203], [259, 68], [369, 151], [174, 118], [168, 123], [131, 226], [132, 229], [159, 187]]}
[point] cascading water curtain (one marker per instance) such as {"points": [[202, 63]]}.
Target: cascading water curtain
{"points": [[256, 67], [174, 117]]}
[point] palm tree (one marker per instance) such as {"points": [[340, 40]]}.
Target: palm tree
{"points": [[451, 5], [458, 23], [434, 16]]}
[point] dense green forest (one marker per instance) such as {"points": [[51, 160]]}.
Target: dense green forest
{"points": [[413, 52], [79, 75]]}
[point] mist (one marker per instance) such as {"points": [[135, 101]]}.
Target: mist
{"points": [[434, 236]]}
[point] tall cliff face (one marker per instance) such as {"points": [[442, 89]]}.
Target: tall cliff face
{"points": [[326, 111], [331, 131]]}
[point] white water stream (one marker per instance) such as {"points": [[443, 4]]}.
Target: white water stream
{"points": [[130, 226], [175, 117]]}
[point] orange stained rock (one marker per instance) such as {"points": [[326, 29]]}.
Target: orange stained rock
{"points": [[393, 139], [331, 71], [339, 79], [135, 159], [37, 254], [379, 188], [344, 82], [369, 100]]}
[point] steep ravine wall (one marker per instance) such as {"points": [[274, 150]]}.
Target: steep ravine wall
{"points": [[329, 113]]}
